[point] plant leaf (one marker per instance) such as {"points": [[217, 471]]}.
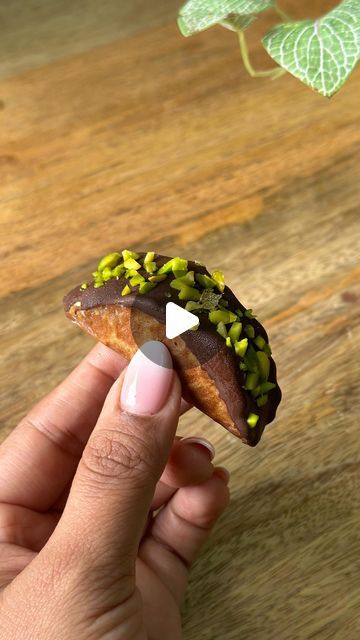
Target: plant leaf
{"points": [[197, 15], [235, 22], [321, 53]]}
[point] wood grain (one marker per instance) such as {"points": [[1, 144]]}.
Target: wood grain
{"points": [[148, 140]]}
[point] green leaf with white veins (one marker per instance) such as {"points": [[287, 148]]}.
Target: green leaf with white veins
{"points": [[235, 22], [198, 15], [321, 53]]}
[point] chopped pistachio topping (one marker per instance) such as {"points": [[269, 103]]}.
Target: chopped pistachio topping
{"points": [[239, 313], [251, 380], [260, 342], [266, 386], [218, 276], [234, 331], [267, 349], [256, 392], [126, 254], [221, 316], [150, 267], [179, 264], [241, 347], [192, 306], [188, 278], [145, 287], [157, 278], [228, 342], [249, 313], [98, 283], [136, 279], [118, 271], [131, 263], [250, 331], [252, 420], [129, 273], [110, 261], [106, 274], [175, 264], [84, 286], [126, 290], [262, 400], [205, 281], [251, 359], [189, 293], [149, 257], [178, 283], [183, 282], [264, 365], [221, 329], [207, 302]]}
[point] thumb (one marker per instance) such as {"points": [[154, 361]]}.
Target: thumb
{"points": [[124, 458]]}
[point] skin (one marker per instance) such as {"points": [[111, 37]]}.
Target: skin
{"points": [[84, 553]]}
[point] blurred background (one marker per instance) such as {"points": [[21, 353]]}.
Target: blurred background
{"points": [[117, 132]]}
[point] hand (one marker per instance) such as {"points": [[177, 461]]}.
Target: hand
{"points": [[85, 552]]}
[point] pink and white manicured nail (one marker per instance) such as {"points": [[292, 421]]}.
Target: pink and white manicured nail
{"points": [[148, 379]]}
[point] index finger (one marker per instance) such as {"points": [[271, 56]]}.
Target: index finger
{"points": [[39, 458]]}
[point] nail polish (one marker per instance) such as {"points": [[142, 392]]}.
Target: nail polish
{"points": [[147, 380]]}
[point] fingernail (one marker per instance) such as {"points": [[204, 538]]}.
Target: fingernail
{"points": [[147, 379], [223, 473], [203, 443]]}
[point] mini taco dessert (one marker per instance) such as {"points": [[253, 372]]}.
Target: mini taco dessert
{"points": [[224, 363]]}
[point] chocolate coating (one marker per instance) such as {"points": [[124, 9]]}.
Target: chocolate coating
{"points": [[219, 361]]}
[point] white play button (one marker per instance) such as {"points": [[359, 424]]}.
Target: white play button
{"points": [[178, 320]]}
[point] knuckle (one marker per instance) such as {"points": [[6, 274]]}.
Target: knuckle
{"points": [[7, 526], [113, 454]]}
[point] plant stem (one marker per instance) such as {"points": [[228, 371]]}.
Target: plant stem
{"points": [[272, 73], [284, 17]]}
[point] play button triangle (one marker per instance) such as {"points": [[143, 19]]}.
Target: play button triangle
{"points": [[178, 320]]}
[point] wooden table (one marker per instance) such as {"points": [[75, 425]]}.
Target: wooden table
{"points": [[117, 132]]}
